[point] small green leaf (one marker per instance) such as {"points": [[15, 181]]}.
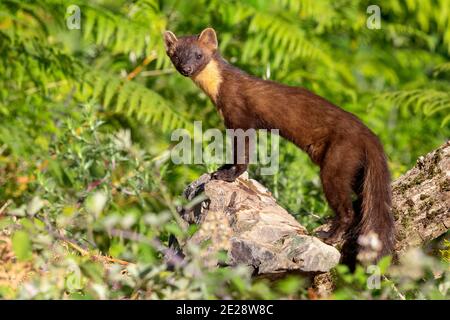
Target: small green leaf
{"points": [[384, 264], [22, 246], [74, 282], [34, 206], [173, 229]]}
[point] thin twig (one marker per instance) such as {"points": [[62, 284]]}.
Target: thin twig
{"points": [[50, 85], [401, 296], [74, 245], [153, 73], [3, 148], [86, 253], [3, 208], [170, 254], [139, 68]]}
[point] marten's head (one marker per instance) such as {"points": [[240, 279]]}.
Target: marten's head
{"points": [[191, 54]]}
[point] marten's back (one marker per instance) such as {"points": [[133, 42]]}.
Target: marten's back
{"points": [[302, 116]]}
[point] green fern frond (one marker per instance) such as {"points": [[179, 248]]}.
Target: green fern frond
{"points": [[30, 65], [275, 32], [139, 32], [133, 99], [426, 15], [427, 101], [396, 31], [442, 68]]}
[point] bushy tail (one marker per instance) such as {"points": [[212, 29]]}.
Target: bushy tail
{"points": [[377, 222]]}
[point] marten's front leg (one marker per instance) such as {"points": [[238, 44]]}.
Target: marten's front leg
{"points": [[229, 172]]}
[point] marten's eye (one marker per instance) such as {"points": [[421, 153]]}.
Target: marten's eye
{"points": [[199, 56]]}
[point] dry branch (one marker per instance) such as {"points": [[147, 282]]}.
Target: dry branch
{"points": [[421, 200]]}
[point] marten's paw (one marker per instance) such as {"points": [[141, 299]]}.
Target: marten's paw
{"points": [[332, 240], [224, 175], [229, 172], [330, 237]]}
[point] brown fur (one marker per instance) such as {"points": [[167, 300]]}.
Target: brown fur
{"points": [[350, 156]]}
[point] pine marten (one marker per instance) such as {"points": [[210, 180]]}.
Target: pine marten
{"points": [[350, 156]]}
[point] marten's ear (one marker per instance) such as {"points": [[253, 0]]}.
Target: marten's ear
{"points": [[208, 38], [169, 40]]}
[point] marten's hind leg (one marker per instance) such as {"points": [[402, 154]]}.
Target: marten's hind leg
{"points": [[338, 173]]}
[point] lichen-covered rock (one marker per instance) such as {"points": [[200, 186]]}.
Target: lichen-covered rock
{"points": [[244, 219], [421, 200]]}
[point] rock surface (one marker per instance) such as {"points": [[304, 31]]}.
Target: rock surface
{"points": [[244, 219]]}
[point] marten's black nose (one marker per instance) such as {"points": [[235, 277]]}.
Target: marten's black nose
{"points": [[187, 70]]}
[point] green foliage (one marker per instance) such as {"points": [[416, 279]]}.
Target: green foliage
{"points": [[21, 245], [86, 117], [415, 277], [446, 251], [132, 99], [98, 195]]}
